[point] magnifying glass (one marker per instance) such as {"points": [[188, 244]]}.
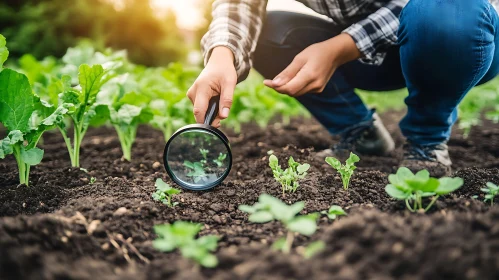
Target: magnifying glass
{"points": [[198, 156]]}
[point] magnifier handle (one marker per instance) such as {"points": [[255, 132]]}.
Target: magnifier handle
{"points": [[212, 112]]}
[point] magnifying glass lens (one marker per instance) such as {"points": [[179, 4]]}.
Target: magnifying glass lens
{"points": [[197, 158]]}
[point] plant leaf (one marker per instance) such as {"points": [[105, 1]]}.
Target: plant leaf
{"points": [[209, 242], [397, 193], [302, 168], [305, 225], [16, 100], [336, 164], [448, 185], [352, 159], [314, 248], [32, 156], [261, 217], [4, 52], [247, 209], [208, 260], [163, 245]]}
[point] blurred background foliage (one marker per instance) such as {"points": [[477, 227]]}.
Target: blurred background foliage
{"points": [[48, 27]]}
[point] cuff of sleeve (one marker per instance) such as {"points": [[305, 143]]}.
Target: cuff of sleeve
{"points": [[225, 41], [364, 44]]}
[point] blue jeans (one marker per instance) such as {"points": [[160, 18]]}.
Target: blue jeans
{"points": [[446, 47]]}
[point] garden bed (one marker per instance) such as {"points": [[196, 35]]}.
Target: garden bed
{"points": [[65, 227]]}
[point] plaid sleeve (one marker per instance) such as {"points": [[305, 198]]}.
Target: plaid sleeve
{"points": [[377, 32], [236, 25]]}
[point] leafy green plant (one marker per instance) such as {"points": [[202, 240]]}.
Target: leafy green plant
{"points": [[289, 178], [491, 191], [269, 208], [204, 153], [91, 79], [196, 170], [346, 171], [404, 185], [220, 160], [182, 235], [164, 193], [19, 111], [333, 212]]}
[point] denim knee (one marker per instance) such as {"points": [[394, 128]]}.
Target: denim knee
{"points": [[444, 21]]}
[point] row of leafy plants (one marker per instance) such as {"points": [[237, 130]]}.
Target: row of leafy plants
{"points": [[88, 89], [413, 189]]}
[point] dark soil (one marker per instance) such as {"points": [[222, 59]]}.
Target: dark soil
{"points": [[64, 227]]}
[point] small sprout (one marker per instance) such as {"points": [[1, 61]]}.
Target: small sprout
{"points": [[204, 153], [182, 235], [270, 152], [93, 180], [333, 212], [220, 160], [490, 192], [197, 170], [269, 208], [313, 249], [288, 178], [165, 193], [346, 171], [414, 187]]}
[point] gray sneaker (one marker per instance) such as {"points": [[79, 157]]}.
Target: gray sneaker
{"points": [[434, 158], [371, 138]]}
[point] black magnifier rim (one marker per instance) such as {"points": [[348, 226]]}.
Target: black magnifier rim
{"points": [[211, 130]]}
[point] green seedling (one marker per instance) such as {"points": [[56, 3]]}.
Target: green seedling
{"points": [[220, 160], [346, 171], [182, 235], [196, 170], [204, 153], [92, 180], [20, 112], [404, 185], [333, 212], [269, 208], [164, 193], [289, 178], [490, 192], [86, 111]]}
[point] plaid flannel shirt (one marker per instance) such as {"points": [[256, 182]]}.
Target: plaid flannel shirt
{"points": [[237, 24]]}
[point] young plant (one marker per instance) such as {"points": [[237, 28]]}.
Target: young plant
{"points": [[269, 208], [91, 79], [491, 191], [289, 178], [333, 212], [19, 111], [346, 171], [204, 153], [182, 235], [404, 185], [126, 120], [196, 170], [220, 160], [164, 193]]}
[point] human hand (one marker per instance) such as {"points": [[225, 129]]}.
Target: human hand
{"points": [[219, 77], [312, 68]]}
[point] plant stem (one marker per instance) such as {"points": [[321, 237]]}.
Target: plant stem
{"points": [[431, 203], [408, 205], [77, 144], [21, 166], [67, 140], [288, 243]]}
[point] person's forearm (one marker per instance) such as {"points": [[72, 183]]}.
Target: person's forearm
{"points": [[222, 55], [344, 48]]}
